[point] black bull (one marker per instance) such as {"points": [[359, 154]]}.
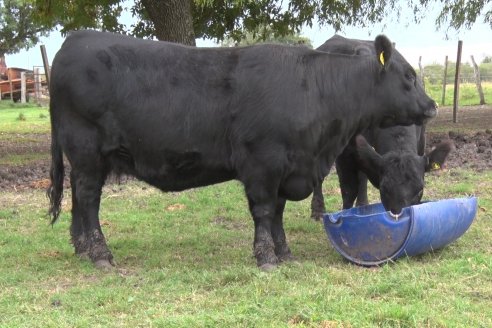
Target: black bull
{"points": [[273, 117]]}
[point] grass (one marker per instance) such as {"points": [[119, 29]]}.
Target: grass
{"points": [[22, 159], [468, 93], [185, 259], [23, 118]]}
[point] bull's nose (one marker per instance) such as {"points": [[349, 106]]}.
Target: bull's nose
{"points": [[432, 111]]}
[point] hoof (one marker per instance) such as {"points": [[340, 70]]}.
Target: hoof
{"points": [[268, 267], [286, 258], [83, 255], [104, 265]]}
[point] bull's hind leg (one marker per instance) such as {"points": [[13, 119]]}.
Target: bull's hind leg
{"points": [[87, 235], [79, 239], [89, 169]]}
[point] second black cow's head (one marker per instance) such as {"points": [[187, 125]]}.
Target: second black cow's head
{"points": [[399, 175]]}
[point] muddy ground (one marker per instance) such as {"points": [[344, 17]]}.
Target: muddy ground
{"points": [[472, 135]]}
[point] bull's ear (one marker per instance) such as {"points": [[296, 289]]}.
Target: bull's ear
{"points": [[368, 160], [437, 157], [384, 49]]}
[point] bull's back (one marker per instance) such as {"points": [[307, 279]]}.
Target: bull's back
{"points": [[181, 116], [162, 85]]}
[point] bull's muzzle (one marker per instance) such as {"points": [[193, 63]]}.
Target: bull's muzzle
{"points": [[431, 112]]}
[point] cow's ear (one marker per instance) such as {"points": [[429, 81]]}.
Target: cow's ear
{"points": [[384, 49], [437, 157], [368, 160]]}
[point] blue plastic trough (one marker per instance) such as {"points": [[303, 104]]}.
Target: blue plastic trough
{"points": [[369, 235]]}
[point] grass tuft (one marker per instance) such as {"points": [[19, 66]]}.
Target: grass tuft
{"points": [[21, 117]]}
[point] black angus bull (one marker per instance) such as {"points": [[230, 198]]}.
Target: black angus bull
{"points": [[273, 117], [392, 158]]}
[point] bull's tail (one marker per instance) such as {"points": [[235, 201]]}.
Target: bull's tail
{"points": [[57, 174]]}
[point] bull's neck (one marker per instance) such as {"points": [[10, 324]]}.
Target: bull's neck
{"points": [[348, 89], [401, 138]]}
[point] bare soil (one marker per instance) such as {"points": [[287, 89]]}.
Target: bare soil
{"points": [[472, 135]]}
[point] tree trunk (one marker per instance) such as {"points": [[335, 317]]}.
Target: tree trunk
{"points": [[478, 82], [172, 20]]}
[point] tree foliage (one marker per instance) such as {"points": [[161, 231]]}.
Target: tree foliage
{"points": [[457, 14], [238, 19], [76, 14], [250, 38], [18, 29], [221, 19]]}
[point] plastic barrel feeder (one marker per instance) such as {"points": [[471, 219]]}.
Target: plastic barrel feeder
{"points": [[369, 235]]}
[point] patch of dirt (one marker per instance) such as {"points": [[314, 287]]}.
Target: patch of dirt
{"points": [[472, 150], [33, 174], [472, 135]]}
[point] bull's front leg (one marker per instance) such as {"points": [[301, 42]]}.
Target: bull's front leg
{"points": [[318, 203], [282, 249], [270, 243], [362, 198], [263, 245], [278, 234], [262, 185]]}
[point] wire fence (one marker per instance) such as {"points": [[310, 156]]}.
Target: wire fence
{"points": [[438, 78]]}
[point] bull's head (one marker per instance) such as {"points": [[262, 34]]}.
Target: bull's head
{"points": [[403, 98]]}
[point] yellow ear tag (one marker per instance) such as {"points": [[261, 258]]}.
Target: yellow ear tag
{"points": [[381, 57], [435, 166]]}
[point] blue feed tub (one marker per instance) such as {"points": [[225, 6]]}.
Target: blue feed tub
{"points": [[369, 235]]}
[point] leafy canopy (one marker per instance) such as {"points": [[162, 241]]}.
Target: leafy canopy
{"points": [[23, 21], [18, 29], [221, 19]]}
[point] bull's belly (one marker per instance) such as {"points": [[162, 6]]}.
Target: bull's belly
{"points": [[171, 171], [179, 181]]}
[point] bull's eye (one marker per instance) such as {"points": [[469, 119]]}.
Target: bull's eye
{"points": [[410, 77]]}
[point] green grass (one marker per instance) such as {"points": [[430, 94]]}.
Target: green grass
{"points": [[22, 159], [468, 93], [23, 118], [185, 259]]}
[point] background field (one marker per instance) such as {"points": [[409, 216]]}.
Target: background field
{"points": [[185, 259], [468, 93]]}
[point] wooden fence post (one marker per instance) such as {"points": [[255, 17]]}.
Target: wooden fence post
{"points": [[444, 80], [46, 65], [23, 88], [477, 81], [421, 72], [457, 81], [37, 85], [9, 74]]}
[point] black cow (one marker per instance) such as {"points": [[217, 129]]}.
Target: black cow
{"points": [[395, 163], [273, 117]]}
